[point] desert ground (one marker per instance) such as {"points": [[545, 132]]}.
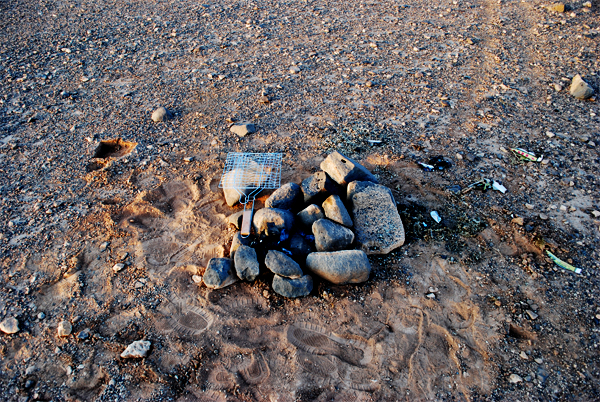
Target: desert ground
{"points": [[468, 309]]}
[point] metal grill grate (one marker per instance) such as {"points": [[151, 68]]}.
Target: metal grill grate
{"points": [[245, 171]]}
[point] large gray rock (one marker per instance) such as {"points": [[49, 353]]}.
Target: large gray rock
{"points": [[219, 273], [580, 89], [377, 224], [358, 186], [336, 211], [236, 219], [293, 287], [246, 263], [237, 241], [330, 236], [310, 215], [344, 170], [318, 187], [289, 196], [280, 264], [271, 221], [301, 246], [340, 267]]}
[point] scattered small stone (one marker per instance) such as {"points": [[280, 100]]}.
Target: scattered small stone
{"points": [[219, 273], [293, 287], [272, 221], [288, 196], [596, 214], [188, 159], [85, 334], [104, 246], [340, 267], [523, 355], [118, 267], [587, 4], [197, 279], [557, 87], [557, 7], [294, 70], [41, 316], [529, 206], [9, 326], [243, 129], [310, 215], [160, 114], [514, 379], [539, 360], [543, 217], [246, 263], [531, 314], [137, 349], [331, 236], [580, 89], [64, 328], [344, 170], [264, 99], [279, 263], [431, 295]]}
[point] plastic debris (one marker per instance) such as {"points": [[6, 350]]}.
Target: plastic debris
{"points": [[526, 155], [374, 142], [426, 167], [436, 217], [435, 163], [563, 264], [485, 184], [439, 163], [498, 187]]}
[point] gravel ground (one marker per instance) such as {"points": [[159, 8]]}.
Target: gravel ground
{"points": [[389, 84]]}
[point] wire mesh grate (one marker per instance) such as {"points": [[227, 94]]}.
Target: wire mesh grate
{"points": [[251, 171]]}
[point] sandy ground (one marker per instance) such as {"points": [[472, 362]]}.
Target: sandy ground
{"points": [[462, 79]]}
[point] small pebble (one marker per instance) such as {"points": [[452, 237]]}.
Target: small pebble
{"points": [[9, 326], [544, 217], [117, 267], [197, 279], [524, 355], [431, 296], [519, 221], [41, 316], [136, 349], [550, 134], [159, 114], [64, 328], [529, 206], [596, 214], [539, 361], [295, 70], [514, 379], [104, 246], [531, 314], [85, 334]]}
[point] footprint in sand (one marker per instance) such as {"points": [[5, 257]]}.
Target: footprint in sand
{"points": [[256, 371], [188, 319], [322, 366], [221, 378], [316, 340]]}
